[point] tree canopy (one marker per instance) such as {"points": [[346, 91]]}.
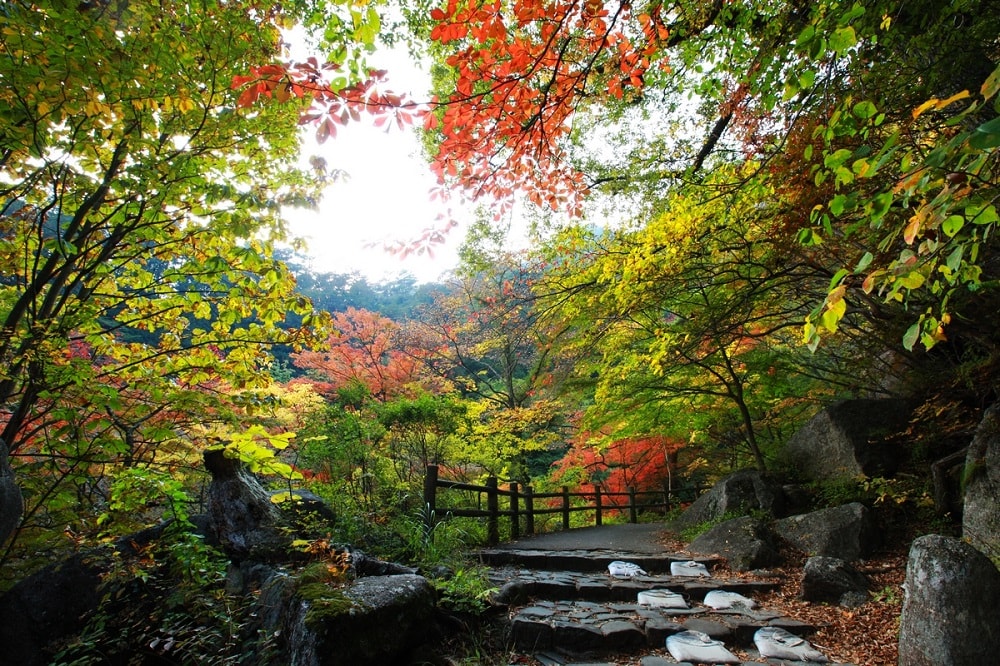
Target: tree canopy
{"points": [[740, 210]]}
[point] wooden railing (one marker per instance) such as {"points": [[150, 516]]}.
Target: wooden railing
{"points": [[521, 503]]}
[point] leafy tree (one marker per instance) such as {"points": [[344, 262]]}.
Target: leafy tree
{"points": [[689, 323], [421, 431], [365, 350], [560, 99], [139, 208], [647, 463]]}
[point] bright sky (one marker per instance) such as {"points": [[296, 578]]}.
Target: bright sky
{"points": [[385, 196]]}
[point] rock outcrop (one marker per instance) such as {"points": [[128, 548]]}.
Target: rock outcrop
{"points": [[243, 518], [830, 579], [846, 532], [950, 610], [980, 517], [745, 542], [737, 494], [49, 606], [848, 439]]}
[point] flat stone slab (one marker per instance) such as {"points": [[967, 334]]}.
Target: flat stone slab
{"points": [[592, 586], [585, 560], [578, 626]]}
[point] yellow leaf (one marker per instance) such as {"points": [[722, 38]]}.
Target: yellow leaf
{"points": [[931, 103], [836, 296], [912, 229], [833, 314], [954, 98], [991, 85]]}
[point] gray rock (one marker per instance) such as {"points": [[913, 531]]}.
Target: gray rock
{"points": [[737, 494], [848, 439], [745, 542], [980, 518], [829, 579], [390, 618], [846, 532], [950, 611], [243, 518], [511, 593]]}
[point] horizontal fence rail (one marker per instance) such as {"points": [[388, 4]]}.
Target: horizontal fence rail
{"points": [[521, 503]]}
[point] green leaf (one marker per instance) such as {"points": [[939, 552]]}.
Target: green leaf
{"points": [[805, 36], [843, 39], [954, 260], [864, 110], [808, 237], [911, 336], [987, 215], [837, 277], [854, 12], [837, 204], [986, 136], [952, 225], [880, 205], [864, 262], [834, 160]]}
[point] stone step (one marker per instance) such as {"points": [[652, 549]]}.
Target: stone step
{"points": [[518, 585], [585, 627], [584, 560]]}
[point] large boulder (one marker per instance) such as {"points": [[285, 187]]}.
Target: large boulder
{"points": [[831, 579], [370, 621], [55, 602], [243, 518], [950, 609], [396, 614], [738, 494], [847, 532], [745, 542], [50, 605], [848, 439], [980, 518]]}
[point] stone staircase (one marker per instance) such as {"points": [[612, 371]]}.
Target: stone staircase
{"points": [[565, 609]]}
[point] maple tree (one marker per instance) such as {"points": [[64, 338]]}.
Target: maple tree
{"points": [[641, 463], [365, 349]]}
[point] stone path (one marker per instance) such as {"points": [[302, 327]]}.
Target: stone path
{"points": [[565, 609]]}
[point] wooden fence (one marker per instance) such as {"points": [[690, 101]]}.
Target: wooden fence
{"points": [[521, 503]]}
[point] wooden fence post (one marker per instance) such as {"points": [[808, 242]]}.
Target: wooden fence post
{"points": [[493, 507], [565, 507], [633, 516], [515, 514], [597, 505], [529, 511]]}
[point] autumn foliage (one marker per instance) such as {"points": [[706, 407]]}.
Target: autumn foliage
{"points": [[363, 350], [643, 463], [519, 77]]}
